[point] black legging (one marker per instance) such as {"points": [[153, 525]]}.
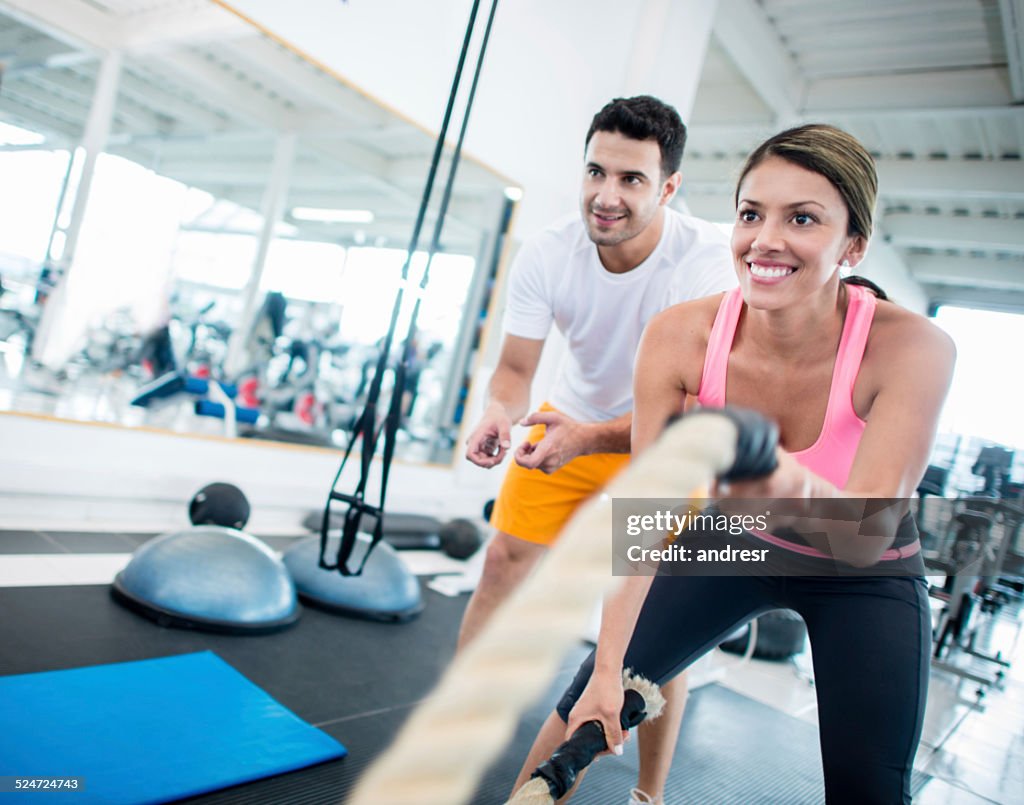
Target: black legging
{"points": [[870, 641]]}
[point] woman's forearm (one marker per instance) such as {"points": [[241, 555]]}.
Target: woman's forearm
{"points": [[618, 617]]}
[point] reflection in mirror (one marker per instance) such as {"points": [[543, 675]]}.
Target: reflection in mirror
{"points": [[231, 213]]}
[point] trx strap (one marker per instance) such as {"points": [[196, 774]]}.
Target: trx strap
{"points": [[366, 430]]}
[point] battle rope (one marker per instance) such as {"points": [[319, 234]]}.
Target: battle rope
{"points": [[452, 737]]}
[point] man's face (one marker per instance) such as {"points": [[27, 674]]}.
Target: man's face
{"points": [[622, 187]]}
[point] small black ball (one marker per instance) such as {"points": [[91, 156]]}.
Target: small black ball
{"points": [[220, 504]]}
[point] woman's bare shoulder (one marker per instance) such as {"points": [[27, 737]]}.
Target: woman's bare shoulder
{"points": [[902, 331], [905, 345], [688, 322]]}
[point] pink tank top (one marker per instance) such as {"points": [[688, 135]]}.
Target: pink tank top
{"points": [[831, 456]]}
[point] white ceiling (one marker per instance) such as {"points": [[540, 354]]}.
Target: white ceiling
{"points": [[933, 88]]}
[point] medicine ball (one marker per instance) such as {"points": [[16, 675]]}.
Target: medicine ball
{"points": [[460, 538], [219, 504]]}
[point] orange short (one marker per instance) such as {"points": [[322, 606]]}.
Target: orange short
{"points": [[534, 506]]}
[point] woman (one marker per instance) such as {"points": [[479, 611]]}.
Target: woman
{"points": [[856, 385]]}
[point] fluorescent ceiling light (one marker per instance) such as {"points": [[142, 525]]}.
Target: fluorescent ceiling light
{"points": [[332, 216]]}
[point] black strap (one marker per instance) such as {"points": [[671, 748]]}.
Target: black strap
{"points": [[366, 431], [408, 346]]}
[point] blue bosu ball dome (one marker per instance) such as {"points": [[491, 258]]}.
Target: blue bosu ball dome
{"points": [[385, 591], [211, 578]]}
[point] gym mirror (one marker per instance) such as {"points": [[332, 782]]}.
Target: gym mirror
{"points": [[132, 281]]}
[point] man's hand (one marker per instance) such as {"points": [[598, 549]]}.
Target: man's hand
{"points": [[564, 440], [491, 439]]}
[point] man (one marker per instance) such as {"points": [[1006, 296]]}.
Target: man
{"points": [[599, 278]]}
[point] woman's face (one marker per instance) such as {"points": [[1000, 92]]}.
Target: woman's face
{"points": [[790, 234]]}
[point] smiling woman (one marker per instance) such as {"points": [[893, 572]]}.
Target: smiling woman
{"points": [[855, 385]]}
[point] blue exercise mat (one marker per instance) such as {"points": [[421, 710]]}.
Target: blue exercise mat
{"points": [[149, 731]]}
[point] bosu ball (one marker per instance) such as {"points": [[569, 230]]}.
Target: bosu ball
{"points": [[210, 577], [385, 591]]}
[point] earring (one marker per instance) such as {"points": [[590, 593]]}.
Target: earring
{"points": [[844, 268]]}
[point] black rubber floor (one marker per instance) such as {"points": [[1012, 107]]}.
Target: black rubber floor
{"points": [[359, 680]]}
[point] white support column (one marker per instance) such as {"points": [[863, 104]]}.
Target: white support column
{"points": [[647, 43], [94, 140], [47, 345], [274, 198], [745, 34], [669, 44], [48, 260]]}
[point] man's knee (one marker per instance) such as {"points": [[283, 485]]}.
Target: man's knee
{"points": [[509, 557]]}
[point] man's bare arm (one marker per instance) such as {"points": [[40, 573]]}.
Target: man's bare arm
{"points": [[508, 399]]}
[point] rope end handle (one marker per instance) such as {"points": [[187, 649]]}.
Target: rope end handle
{"points": [[642, 701], [757, 438], [653, 701]]}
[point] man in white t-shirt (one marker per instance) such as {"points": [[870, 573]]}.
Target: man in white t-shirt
{"points": [[599, 278]]}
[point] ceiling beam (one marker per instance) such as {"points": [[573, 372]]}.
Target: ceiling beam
{"points": [[943, 179], [222, 88], [978, 272], [188, 142], [81, 25], [252, 172], [70, 94], [876, 29], [1012, 13], [767, 67], [73, 92], [939, 114], [24, 112], [1009, 301], [166, 107], [955, 232], [21, 56], [801, 14], [983, 86], [177, 26], [303, 82], [48, 145], [952, 179], [892, 60], [78, 24]]}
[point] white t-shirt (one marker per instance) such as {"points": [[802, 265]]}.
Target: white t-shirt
{"points": [[558, 277]]}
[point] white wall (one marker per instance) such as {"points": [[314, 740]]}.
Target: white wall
{"points": [[885, 267], [549, 67], [89, 476]]}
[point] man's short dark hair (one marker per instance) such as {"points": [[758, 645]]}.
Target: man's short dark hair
{"points": [[644, 117]]}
